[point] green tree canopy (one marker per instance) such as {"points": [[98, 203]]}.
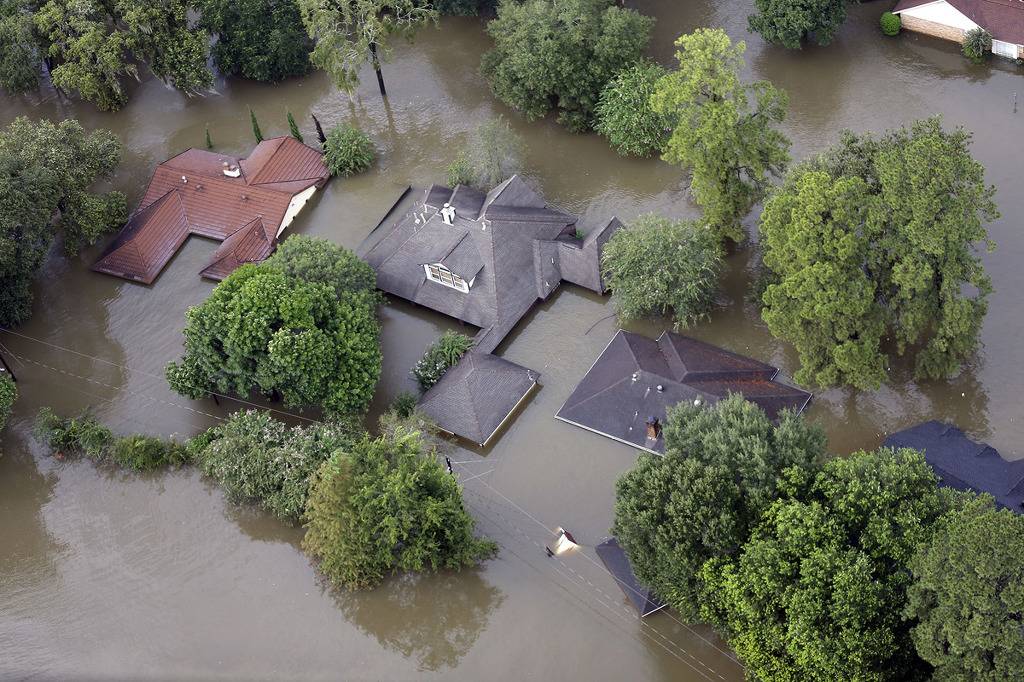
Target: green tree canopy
{"points": [[95, 44], [350, 33], [19, 47], [625, 115], [385, 506], [46, 171], [788, 23], [968, 595], [723, 467], [492, 155], [873, 240], [290, 325], [261, 40], [817, 592], [8, 394], [560, 55], [348, 150], [656, 266], [256, 458], [723, 131]]}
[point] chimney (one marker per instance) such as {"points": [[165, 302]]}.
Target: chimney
{"points": [[653, 428]]}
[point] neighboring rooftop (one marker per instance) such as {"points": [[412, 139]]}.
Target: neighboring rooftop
{"points": [[964, 464], [615, 560], [627, 392], [1004, 19], [486, 259], [244, 203], [477, 396]]}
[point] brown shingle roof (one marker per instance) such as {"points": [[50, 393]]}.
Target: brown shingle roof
{"points": [[189, 194], [1004, 19], [637, 378]]}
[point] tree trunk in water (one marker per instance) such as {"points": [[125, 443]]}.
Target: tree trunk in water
{"points": [[376, 67]]}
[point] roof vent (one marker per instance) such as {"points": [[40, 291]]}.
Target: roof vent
{"points": [[184, 180], [448, 214], [661, 388], [696, 402], [636, 375], [231, 170]]}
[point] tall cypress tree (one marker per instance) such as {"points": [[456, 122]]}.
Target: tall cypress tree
{"points": [[255, 126], [294, 128]]}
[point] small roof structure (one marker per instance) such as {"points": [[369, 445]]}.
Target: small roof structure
{"points": [[1004, 19], [244, 203], [636, 379], [615, 560], [964, 464], [509, 246], [478, 395]]}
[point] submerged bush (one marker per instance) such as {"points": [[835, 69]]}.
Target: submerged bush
{"points": [[258, 459], [143, 453], [348, 150], [384, 506], [441, 356], [977, 44], [891, 23], [8, 394], [404, 404], [84, 434]]}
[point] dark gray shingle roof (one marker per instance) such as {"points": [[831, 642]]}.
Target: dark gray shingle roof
{"points": [[475, 397], [615, 560], [964, 464], [637, 378]]}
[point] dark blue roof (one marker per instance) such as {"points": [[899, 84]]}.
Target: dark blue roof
{"points": [[961, 463]]}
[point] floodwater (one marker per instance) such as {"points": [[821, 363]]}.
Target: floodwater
{"points": [[111, 574]]}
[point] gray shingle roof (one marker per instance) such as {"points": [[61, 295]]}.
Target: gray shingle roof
{"points": [[509, 241], [615, 560], [475, 397], [964, 464], [637, 378]]}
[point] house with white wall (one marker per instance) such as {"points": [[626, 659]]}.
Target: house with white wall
{"points": [[952, 19]]}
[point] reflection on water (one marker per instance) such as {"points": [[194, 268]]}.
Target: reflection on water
{"points": [[131, 576], [432, 619]]}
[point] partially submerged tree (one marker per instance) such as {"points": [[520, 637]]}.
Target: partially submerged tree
{"points": [[723, 467], [817, 592], [95, 45], [967, 599], [19, 47], [789, 23], [348, 150], [306, 337], [440, 356], [385, 506], [656, 266], [46, 172], [724, 134], [875, 239], [625, 115], [8, 394], [550, 55], [258, 459], [350, 33], [977, 45], [262, 40], [491, 156]]}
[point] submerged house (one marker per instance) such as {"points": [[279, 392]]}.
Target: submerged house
{"points": [[627, 392], [952, 19], [244, 203], [486, 259], [964, 464]]}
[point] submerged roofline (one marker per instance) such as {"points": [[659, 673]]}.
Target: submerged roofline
{"points": [[515, 408], [608, 435]]}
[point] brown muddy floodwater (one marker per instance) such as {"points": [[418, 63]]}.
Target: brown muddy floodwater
{"points": [[108, 574]]}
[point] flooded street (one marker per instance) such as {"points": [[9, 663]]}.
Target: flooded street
{"points": [[111, 574]]}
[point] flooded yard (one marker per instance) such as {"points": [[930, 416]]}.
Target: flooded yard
{"points": [[110, 574]]}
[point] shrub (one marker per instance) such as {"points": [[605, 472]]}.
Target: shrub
{"points": [[404, 404], [439, 357], [71, 435], [625, 115], [656, 266], [8, 394], [977, 45], [384, 506], [258, 459], [493, 153], [143, 453], [348, 150], [460, 172], [891, 23], [464, 8]]}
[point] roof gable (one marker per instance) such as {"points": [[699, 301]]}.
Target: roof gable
{"points": [[1004, 19]]}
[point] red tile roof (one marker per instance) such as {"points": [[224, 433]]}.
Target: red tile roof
{"points": [[1004, 19], [190, 194]]}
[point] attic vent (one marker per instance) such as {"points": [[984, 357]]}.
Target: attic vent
{"points": [[231, 170], [448, 214]]}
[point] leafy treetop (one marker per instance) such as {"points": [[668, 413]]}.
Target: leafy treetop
{"points": [[875, 239], [625, 115], [723, 131], [790, 23], [262, 40]]}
